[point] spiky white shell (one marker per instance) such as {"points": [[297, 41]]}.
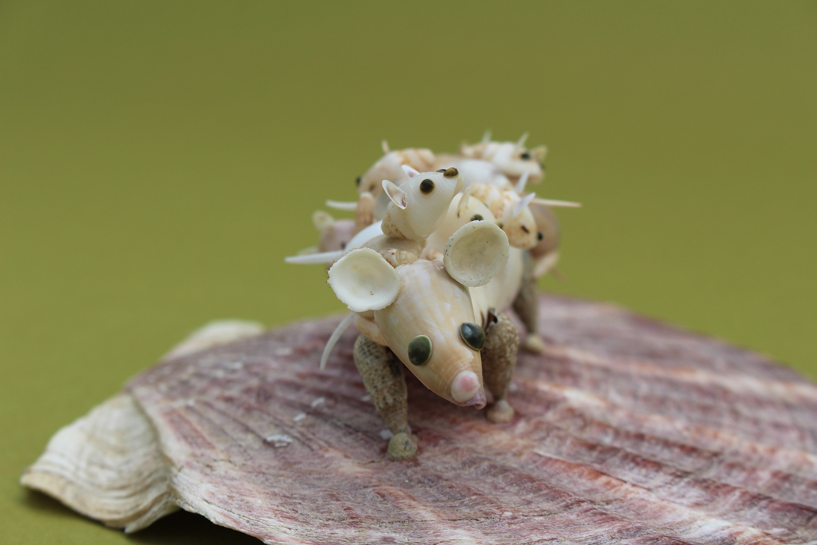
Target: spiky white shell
{"points": [[389, 167]]}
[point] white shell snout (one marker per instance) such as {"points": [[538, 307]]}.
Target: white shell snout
{"points": [[475, 253], [363, 280], [466, 390]]}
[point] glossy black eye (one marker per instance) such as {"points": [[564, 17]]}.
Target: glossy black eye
{"points": [[539, 235], [473, 335], [419, 350], [477, 217], [525, 156], [426, 186], [357, 181]]}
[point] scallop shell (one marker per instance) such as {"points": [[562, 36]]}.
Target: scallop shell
{"points": [[627, 431]]}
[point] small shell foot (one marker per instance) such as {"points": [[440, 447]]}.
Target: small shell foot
{"points": [[533, 343], [402, 446], [499, 412], [364, 212]]}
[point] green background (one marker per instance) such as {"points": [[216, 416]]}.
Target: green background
{"points": [[159, 159]]}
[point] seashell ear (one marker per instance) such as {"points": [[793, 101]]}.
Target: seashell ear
{"points": [[475, 253], [397, 195], [321, 220], [486, 137], [385, 147], [410, 172], [539, 152], [364, 281], [520, 205], [521, 143]]}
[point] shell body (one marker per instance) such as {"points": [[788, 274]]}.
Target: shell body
{"points": [[458, 214], [334, 234], [477, 171], [430, 303], [427, 197], [389, 167], [546, 252], [517, 221], [511, 158]]}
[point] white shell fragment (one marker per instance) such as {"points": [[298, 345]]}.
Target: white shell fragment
{"points": [[108, 465], [363, 280], [475, 253]]}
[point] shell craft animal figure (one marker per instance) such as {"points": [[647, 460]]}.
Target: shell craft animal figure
{"points": [[613, 428], [372, 201], [511, 158], [512, 211], [429, 285]]}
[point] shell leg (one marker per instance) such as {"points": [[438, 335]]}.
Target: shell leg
{"points": [[384, 380], [364, 211], [498, 363], [525, 306]]}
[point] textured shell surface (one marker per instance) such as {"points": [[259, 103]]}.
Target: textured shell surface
{"points": [[626, 431], [437, 310]]}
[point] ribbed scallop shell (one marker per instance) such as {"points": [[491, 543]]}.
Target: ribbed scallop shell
{"points": [[627, 431]]}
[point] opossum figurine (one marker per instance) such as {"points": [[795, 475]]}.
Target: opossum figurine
{"points": [[372, 202], [423, 315], [511, 158], [512, 211], [415, 210]]}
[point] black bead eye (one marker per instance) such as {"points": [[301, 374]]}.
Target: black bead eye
{"points": [[539, 235], [426, 186], [525, 156], [477, 217], [419, 350], [473, 335], [357, 181]]}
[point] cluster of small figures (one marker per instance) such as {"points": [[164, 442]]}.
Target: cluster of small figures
{"points": [[440, 248]]}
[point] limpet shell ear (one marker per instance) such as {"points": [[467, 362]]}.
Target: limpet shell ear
{"points": [[475, 253], [364, 281]]}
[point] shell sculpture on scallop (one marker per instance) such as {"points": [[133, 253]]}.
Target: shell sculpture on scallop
{"points": [[599, 427]]}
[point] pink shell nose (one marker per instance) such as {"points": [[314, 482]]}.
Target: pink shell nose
{"points": [[466, 389]]}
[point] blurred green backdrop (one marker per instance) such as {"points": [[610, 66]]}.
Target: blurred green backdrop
{"points": [[159, 159]]}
